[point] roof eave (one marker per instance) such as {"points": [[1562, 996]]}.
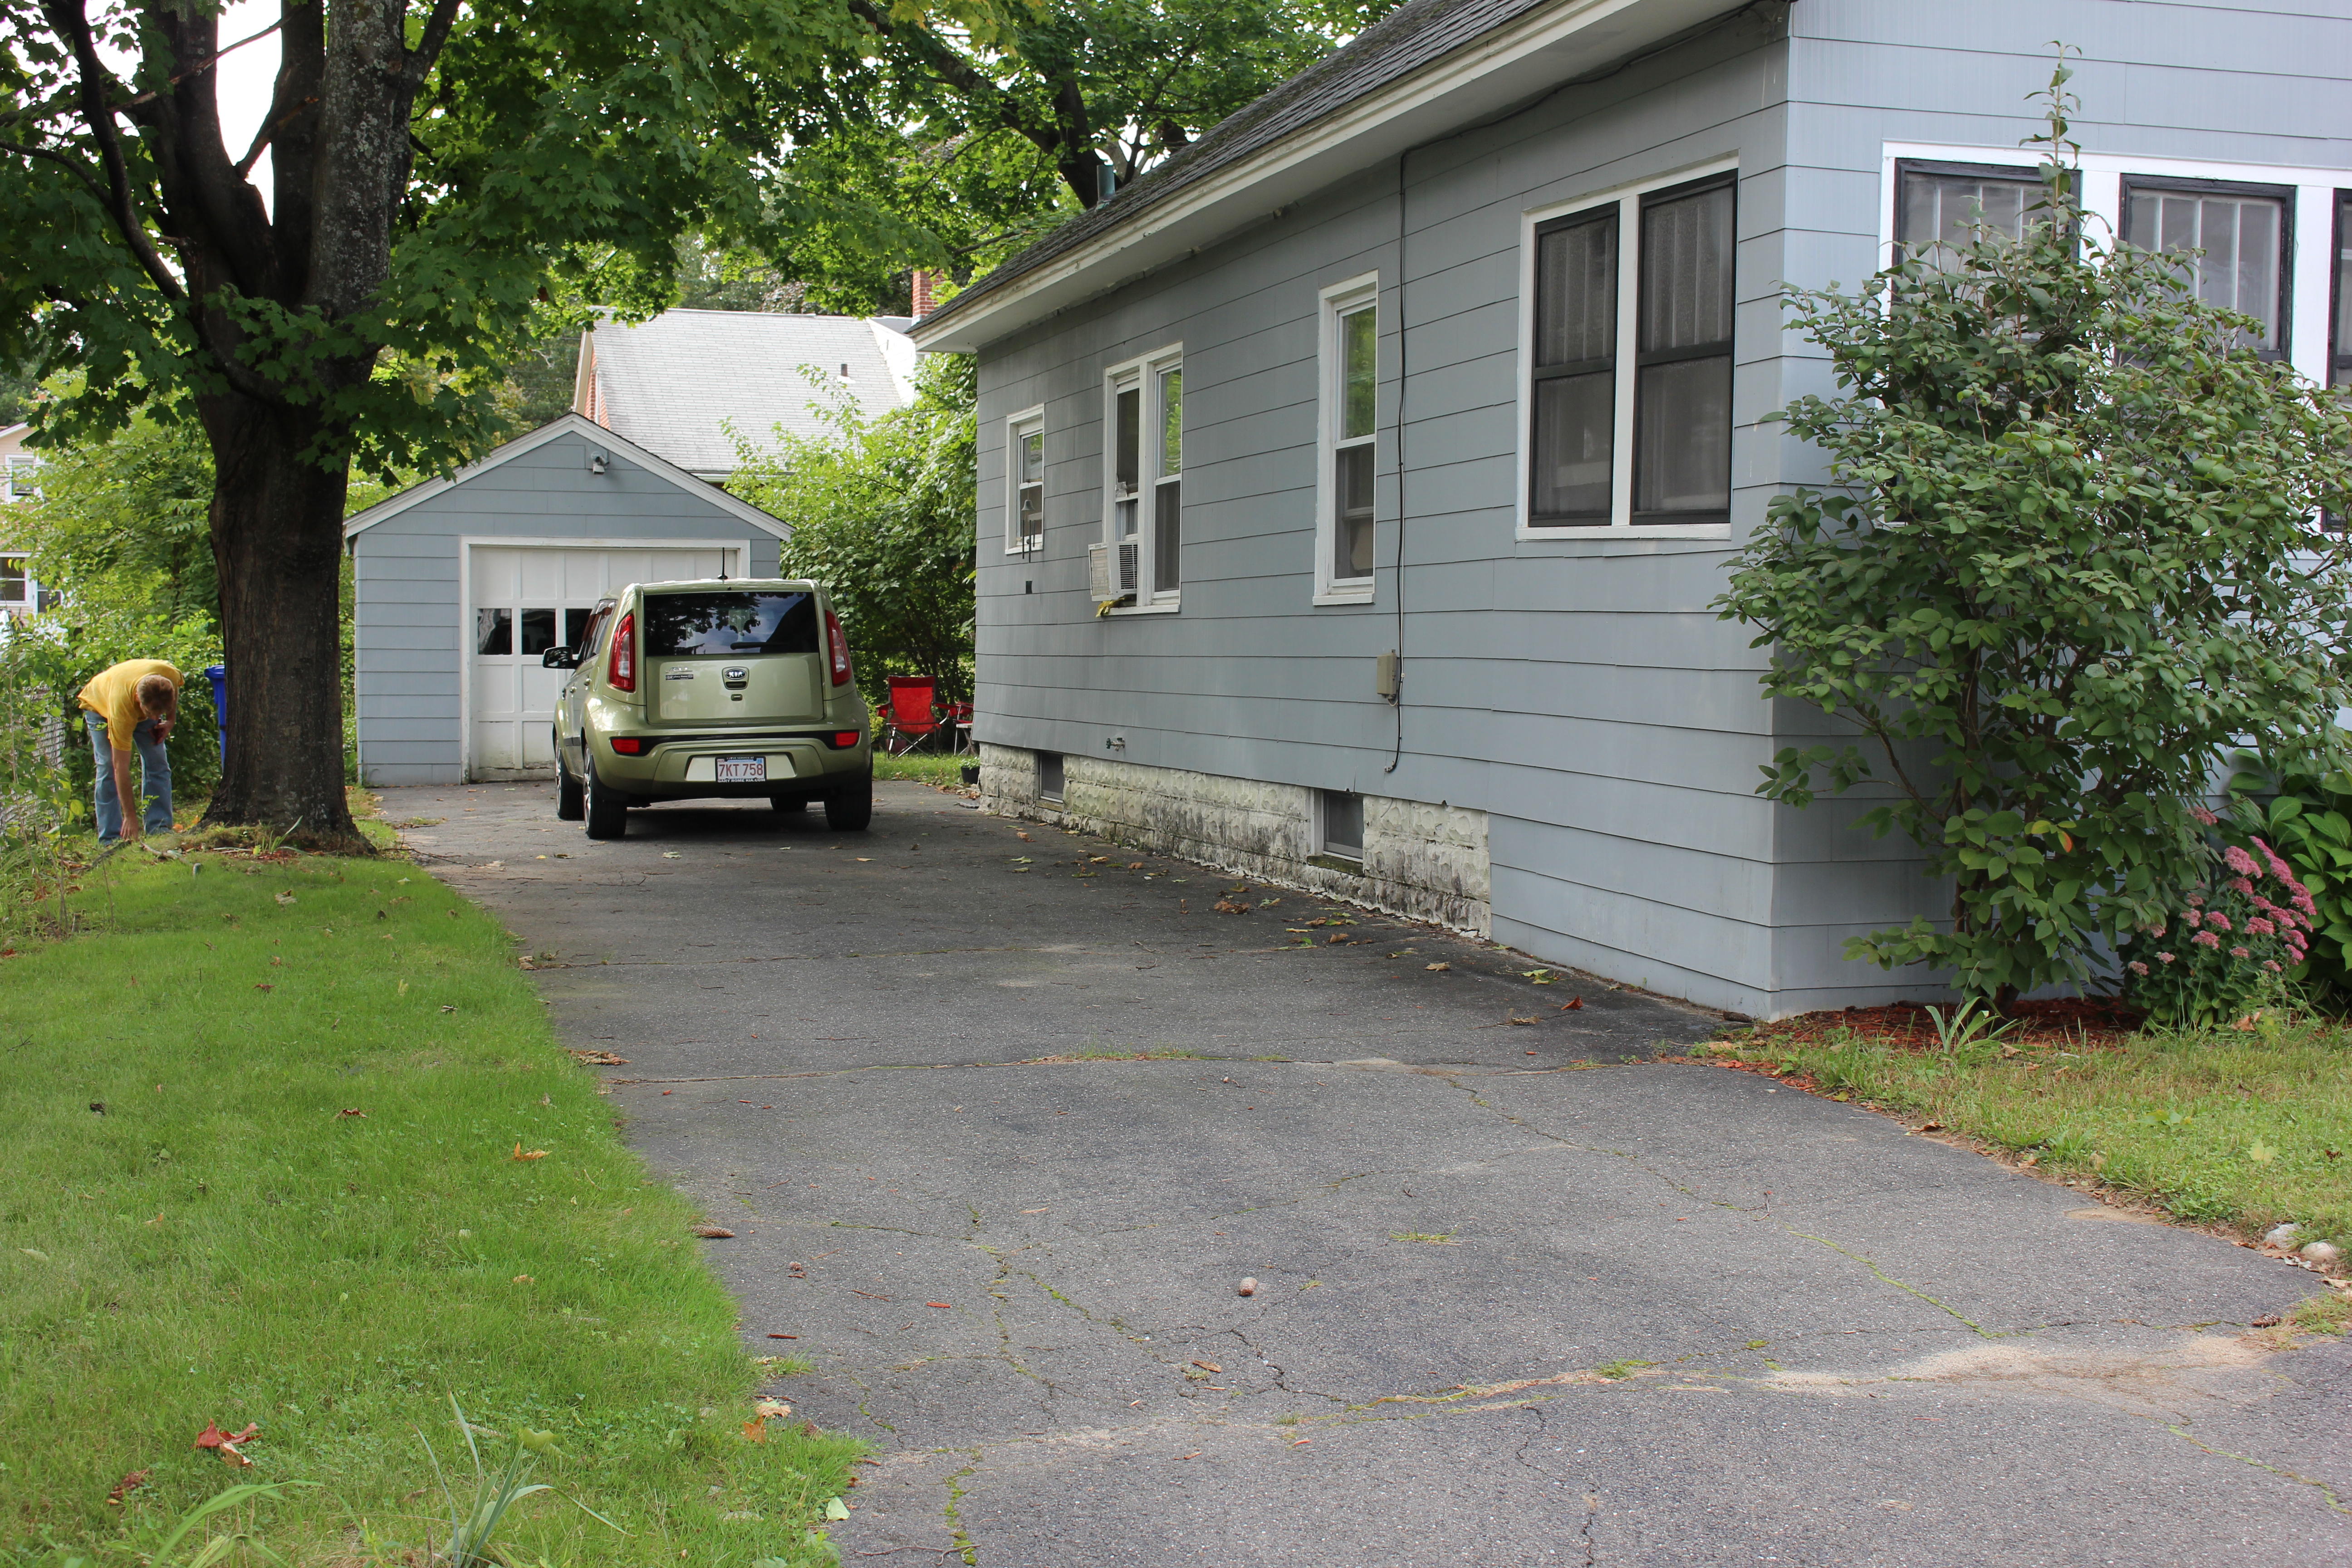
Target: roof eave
{"points": [[1515, 61]]}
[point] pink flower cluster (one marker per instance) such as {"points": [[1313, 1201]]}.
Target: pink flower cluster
{"points": [[2257, 901]]}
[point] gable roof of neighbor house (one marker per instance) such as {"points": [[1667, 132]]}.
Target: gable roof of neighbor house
{"points": [[566, 424], [1427, 67], [675, 384]]}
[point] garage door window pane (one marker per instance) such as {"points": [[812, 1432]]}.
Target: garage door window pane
{"points": [[493, 631], [687, 624], [538, 632]]}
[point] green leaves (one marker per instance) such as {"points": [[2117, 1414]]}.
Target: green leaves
{"points": [[2071, 559]]}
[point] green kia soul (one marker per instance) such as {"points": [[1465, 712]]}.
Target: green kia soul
{"points": [[731, 688]]}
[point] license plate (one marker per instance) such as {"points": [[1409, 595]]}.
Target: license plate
{"points": [[742, 770]]}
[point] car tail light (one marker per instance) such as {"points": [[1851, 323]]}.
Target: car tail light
{"points": [[844, 739], [838, 646], [629, 745], [622, 670]]}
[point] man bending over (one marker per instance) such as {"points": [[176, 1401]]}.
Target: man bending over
{"points": [[133, 705]]}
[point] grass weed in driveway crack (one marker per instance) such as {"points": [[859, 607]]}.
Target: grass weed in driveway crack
{"points": [[1001, 1126]]}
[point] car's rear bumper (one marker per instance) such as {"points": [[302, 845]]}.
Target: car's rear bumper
{"points": [[685, 767]]}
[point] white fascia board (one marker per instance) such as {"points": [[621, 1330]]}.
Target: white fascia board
{"points": [[588, 430], [1511, 64], [897, 357]]}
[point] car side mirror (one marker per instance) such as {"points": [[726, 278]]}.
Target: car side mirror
{"points": [[559, 658]]}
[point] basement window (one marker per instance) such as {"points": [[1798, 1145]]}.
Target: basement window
{"points": [[1339, 825], [1049, 777]]}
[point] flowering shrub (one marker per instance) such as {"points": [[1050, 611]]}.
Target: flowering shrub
{"points": [[2227, 951]]}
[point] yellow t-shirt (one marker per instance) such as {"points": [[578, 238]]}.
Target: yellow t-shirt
{"points": [[113, 695]]}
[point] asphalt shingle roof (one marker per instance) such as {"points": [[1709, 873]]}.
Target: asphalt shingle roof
{"points": [[1404, 41], [672, 385]]}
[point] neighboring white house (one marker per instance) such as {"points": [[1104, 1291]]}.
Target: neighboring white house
{"points": [[462, 583], [677, 383], [20, 595]]}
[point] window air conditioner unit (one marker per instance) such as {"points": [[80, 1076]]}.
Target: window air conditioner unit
{"points": [[1110, 578]]}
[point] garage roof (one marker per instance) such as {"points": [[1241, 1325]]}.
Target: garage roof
{"points": [[595, 434]]}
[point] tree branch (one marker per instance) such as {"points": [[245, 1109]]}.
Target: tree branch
{"points": [[72, 24], [428, 46], [269, 128]]}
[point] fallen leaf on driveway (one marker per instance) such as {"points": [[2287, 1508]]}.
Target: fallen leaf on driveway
{"points": [[1208, 1366], [771, 1409], [869, 1295], [2268, 1320], [1437, 968], [943, 1306], [835, 1509], [1572, 1005], [670, 854], [1227, 907], [1300, 1442], [711, 1231], [1522, 1020], [599, 1060]]}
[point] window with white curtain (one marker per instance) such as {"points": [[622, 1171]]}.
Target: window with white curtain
{"points": [[2234, 242], [1652, 270], [1942, 208]]}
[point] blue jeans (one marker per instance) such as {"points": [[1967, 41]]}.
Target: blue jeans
{"points": [[156, 782]]}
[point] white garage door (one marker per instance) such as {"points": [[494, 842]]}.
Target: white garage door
{"points": [[528, 599]]}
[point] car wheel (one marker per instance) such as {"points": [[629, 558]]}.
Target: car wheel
{"points": [[568, 805], [787, 802], [851, 807], [608, 809]]}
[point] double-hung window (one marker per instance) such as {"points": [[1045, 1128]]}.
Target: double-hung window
{"points": [[1024, 464], [1348, 421], [2246, 236], [1144, 482], [16, 584], [1652, 271]]}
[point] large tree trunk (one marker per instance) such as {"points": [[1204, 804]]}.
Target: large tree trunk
{"points": [[278, 538]]}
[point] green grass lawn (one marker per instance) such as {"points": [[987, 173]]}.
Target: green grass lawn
{"points": [[2222, 1128], [923, 767], [301, 1207]]}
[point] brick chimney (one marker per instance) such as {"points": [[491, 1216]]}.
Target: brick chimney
{"points": [[923, 302]]}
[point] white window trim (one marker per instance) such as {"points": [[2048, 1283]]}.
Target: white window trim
{"points": [[1331, 303], [1014, 424], [2309, 315], [1628, 200], [1144, 372]]}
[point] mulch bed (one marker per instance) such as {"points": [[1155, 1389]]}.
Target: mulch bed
{"points": [[2074, 1023]]}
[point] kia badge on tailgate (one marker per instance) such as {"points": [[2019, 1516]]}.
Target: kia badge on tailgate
{"points": [[735, 672]]}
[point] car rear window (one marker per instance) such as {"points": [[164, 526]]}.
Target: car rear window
{"points": [[681, 626]]}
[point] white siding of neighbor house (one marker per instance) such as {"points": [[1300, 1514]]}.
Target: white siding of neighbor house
{"points": [[1580, 692], [410, 630]]}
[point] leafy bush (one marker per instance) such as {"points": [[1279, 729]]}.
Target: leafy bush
{"points": [[2071, 560], [2227, 947], [882, 512]]}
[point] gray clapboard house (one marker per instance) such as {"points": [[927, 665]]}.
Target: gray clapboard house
{"points": [[1438, 373], [461, 583]]}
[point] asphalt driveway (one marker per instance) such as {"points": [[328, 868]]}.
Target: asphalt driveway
{"points": [[1003, 1124]]}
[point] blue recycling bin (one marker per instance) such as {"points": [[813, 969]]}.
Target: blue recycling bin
{"points": [[218, 675]]}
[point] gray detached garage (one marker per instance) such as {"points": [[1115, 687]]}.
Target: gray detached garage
{"points": [[462, 583]]}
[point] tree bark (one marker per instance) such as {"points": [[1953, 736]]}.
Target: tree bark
{"points": [[277, 541]]}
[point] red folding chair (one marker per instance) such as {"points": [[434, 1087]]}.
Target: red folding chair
{"points": [[960, 718], [913, 716]]}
